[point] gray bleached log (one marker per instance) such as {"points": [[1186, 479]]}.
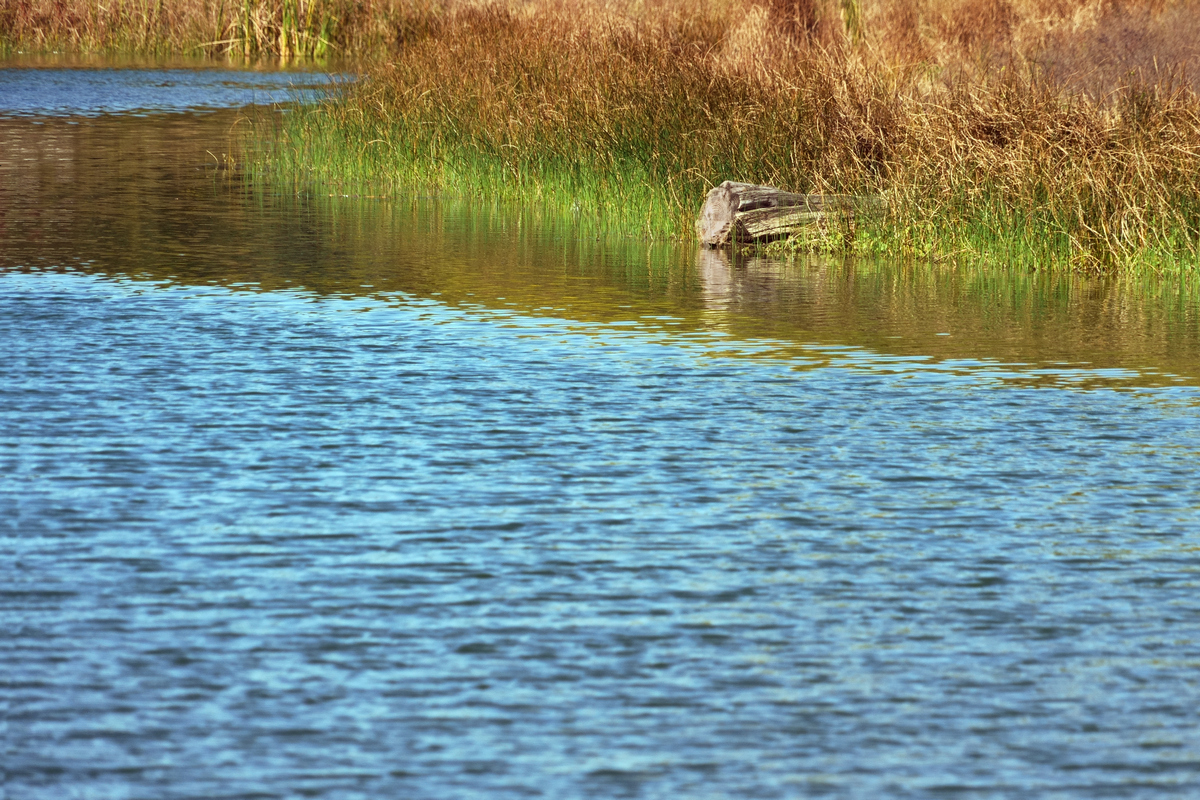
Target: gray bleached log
{"points": [[747, 213]]}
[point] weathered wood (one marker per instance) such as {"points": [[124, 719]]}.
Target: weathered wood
{"points": [[748, 213]]}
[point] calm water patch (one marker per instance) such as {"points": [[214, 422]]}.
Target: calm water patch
{"points": [[312, 496], [75, 92]]}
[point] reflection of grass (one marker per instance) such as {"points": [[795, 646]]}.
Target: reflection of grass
{"points": [[538, 264], [627, 119]]}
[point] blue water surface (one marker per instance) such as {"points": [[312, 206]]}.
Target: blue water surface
{"points": [[62, 92], [272, 545]]}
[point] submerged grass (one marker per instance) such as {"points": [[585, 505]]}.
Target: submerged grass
{"points": [[626, 116]]}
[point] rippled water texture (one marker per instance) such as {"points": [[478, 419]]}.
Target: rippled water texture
{"points": [[74, 92], [312, 496]]}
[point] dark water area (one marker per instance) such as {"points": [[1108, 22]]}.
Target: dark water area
{"points": [[307, 495]]}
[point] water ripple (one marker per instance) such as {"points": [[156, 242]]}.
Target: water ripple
{"points": [[265, 544]]}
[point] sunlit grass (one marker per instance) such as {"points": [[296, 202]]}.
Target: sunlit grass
{"points": [[1028, 132], [284, 29], [626, 121]]}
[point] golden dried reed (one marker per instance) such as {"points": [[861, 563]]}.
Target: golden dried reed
{"points": [[251, 28]]}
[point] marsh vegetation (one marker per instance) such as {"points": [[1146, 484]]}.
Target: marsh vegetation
{"points": [[1051, 133], [244, 28]]}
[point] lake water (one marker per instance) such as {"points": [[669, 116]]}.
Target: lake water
{"points": [[308, 495]]}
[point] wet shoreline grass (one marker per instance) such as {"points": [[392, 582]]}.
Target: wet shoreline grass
{"points": [[626, 121], [1020, 132]]}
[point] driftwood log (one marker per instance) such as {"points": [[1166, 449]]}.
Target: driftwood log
{"points": [[744, 213]]}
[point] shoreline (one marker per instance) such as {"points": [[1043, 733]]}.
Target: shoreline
{"points": [[1014, 146]]}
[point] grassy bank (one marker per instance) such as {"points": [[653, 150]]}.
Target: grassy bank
{"points": [[1045, 139], [1060, 133]]}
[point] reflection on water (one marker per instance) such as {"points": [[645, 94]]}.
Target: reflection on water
{"points": [[308, 495], [175, 210], [1043, 328]]}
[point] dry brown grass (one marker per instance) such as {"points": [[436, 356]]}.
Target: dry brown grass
{"points": [[246, 28], [1089, 42]]}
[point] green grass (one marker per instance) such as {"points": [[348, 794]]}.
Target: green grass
{"points": [[322, 150]]}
